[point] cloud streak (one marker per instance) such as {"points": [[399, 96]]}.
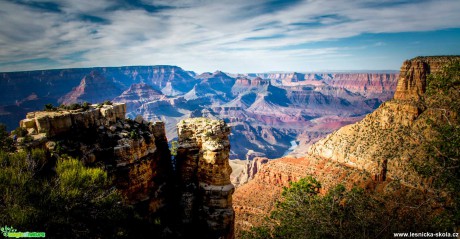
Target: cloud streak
{"points": [[237, 36]]}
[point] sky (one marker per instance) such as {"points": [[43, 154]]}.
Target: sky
{"points": [[238, 36]]}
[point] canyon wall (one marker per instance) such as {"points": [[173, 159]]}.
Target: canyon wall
{"points": [[204, 177], [370, 153]]}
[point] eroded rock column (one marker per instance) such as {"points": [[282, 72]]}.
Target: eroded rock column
{"points": [[204, 177]]}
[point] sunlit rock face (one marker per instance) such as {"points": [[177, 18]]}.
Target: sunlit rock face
{"points": [[371, 153], [204, 176], [135, 153]]}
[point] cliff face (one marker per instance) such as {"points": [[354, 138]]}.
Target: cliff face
{"points": [[380, 85], [374, 151], [386, 142], [90, 90], [137, 94], [204, 177], [412, 81], [135, 153], [244, 171]]}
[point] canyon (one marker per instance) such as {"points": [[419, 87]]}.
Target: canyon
{"points": [[267, 112], [199, 190], [372, 153]]}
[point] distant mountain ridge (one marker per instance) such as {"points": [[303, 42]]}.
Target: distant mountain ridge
{"points": [[266, 111]]}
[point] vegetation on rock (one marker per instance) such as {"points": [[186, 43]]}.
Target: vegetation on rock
{"points": [[423, 196]]}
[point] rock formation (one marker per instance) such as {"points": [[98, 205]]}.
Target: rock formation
{"points": [[62, 121], [244, 171], [204, 177], [271, 110], [412, 81], [374, 151], [135, 153]]}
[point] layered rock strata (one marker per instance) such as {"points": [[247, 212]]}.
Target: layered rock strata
{"points": [[58, 122], [412, 81], [204, 177], [136, 153], [371, 153]]}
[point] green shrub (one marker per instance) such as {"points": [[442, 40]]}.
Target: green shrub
{"points": [[6, 143], [49, 107]]}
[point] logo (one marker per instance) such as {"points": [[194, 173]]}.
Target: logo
{"points": [[11, 232]]}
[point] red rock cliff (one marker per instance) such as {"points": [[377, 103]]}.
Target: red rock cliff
{"points": [[378, 149]]}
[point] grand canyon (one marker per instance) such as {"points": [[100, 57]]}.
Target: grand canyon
{"points": [[261, 119], [236, 142], [268, 113]]}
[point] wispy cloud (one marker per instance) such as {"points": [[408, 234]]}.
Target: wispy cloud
{"points": [[237, 35]]}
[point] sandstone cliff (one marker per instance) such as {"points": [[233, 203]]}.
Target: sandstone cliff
{"points": [[204, 177], [379, 149], [135, 153], [244, 171], [386, 142]]}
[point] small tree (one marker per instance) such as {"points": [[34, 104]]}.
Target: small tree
{"points": [[49, 107]]}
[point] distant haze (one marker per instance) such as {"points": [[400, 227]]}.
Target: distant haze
{"points": [[237, 36]]}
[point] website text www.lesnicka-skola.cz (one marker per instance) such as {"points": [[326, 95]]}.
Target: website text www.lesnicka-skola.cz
{"points": [[426, 234]]}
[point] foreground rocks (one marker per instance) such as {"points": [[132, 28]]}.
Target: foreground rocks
{"points": [[204, 177], [193, 196], [135, 153]]}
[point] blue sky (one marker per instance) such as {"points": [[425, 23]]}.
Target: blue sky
{"points": [[237, 36]]}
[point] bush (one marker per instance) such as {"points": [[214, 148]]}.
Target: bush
{"points": [[303, 213], [6, 143], [20, 132], [86, 105], [49, 107]]}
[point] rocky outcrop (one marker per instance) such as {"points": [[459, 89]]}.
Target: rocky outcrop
{"points": [[245, 84], [136, 153], [244, 171], [62, 121], [204, 177], [413, 76], [386, 142]]}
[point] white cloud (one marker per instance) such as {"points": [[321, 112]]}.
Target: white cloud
{"points": [[202, 34]]}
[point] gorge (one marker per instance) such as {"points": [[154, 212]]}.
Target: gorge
{"points": [[376, 153], [266, 111], [195, 193]]}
